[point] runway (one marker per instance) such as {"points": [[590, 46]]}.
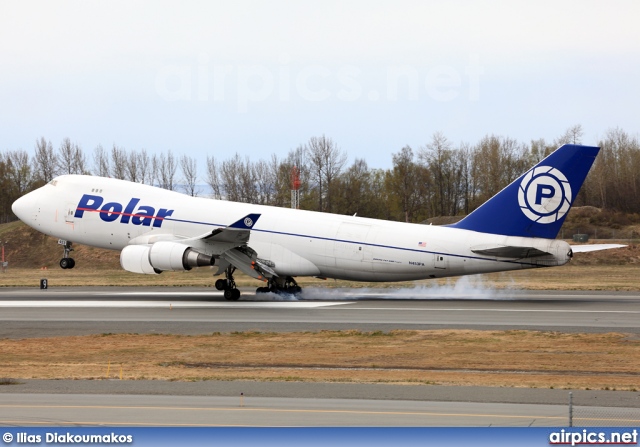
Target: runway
{"points": [[80, 311]]}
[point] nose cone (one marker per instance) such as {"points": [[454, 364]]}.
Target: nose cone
{"points": [[25, 208]]}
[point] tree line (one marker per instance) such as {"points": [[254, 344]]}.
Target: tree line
{"points": [[440, 178]]}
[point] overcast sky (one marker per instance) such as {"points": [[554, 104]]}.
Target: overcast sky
{"points": [[259, 78]]}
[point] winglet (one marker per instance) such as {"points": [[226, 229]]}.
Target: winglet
{"points": [[536, 204], [246, 223]]}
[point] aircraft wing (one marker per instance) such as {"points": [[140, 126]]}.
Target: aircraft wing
{"points": [[214, 242], [508, 251], [231, 245], [594, 247]]}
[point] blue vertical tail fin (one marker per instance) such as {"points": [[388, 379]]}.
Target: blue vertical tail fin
{"points": [[536, 204]]}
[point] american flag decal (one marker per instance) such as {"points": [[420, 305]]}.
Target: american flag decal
{"points": [[422, 244]]}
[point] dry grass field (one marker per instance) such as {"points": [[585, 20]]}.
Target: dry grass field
{"points": [[440, 357]]}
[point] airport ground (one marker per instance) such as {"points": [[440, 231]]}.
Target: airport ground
{"points": [[411, 356]]}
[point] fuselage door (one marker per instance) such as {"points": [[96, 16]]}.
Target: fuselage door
{"points": [[70, 210], [440, 261], [349, 247]]}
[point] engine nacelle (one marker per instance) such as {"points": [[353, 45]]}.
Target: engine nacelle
{"points": [[135, 259], [166, 255]]}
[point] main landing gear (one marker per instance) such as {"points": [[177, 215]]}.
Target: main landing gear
{"points": [[281, 286], [228, 284], [67, 262]]}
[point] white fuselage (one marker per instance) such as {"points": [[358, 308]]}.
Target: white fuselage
{"points": [[295, 242]]}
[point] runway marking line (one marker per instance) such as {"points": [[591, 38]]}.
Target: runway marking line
{"points": [[277, 305], [432, 309], [166, 304]]}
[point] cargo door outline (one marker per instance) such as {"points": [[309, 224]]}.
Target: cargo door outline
{"points": [[440, 261], [350, 247]]}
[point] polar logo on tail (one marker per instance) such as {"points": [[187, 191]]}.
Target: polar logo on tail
{"points": [[544, 194]]}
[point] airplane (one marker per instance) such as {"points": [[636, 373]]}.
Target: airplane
{"points": [[158, 230]]}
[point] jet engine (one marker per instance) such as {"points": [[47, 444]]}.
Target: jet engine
{"points": [[174, 256], [153, 259], [135, 259]]}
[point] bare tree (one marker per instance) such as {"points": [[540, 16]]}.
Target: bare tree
{"points": [[166, 165], [71, 158], [213, 179], [249, 192], [539, 150], [190, 174], [101, 161], [119, 162], [280, 173], [467, 182], [155, 168], [326, 163], [440, 160], [132, 167], [66, 156], [406, 182], [19, 171], [80, 161], [45, 161], [354, 183], [144, 167], [497, 161], [238, 180], [230, 175], [573, 135]]}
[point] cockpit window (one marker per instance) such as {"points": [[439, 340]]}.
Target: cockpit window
{"points": [[53, 182]]}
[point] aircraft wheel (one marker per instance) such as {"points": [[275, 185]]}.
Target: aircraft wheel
{"points": [[64, 263], [221, 284], [232, 294], [262, 290], [72, 263]]}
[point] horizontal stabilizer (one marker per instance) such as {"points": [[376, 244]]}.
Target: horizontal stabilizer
{"points": [[594, 247], [508, 251]]}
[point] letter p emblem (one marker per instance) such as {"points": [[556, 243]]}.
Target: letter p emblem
{"points": [[544, 192]]}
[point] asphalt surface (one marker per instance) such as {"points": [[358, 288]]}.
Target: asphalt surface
{"points": [[119, 410], [78, 311], [258, 404]]}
